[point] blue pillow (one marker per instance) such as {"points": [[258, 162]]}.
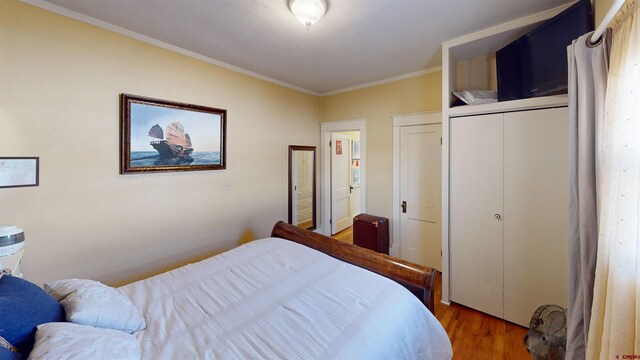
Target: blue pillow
{"points": [[8, 351], [23, 306], [6, 354]]}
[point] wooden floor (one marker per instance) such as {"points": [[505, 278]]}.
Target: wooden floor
{"points": [[305, 224], [474, 335], [345, 235]]}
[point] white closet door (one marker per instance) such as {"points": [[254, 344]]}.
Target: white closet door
{"points": [[535, 208], [475, 206]]}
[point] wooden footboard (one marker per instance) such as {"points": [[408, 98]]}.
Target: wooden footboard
{"points": [[420, 280]]}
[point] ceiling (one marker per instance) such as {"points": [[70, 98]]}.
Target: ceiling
{"points": [[356, 42]]}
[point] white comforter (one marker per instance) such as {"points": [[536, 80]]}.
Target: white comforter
{"points": [[275, 299]]}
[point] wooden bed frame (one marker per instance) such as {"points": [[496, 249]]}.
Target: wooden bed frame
{"points": [[418, 279]]}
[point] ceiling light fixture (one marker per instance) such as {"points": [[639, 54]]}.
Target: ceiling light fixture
{"points": [[308, 11]]}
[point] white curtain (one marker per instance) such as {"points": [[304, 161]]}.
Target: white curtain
{"points": [[615, 316], [587, 93]]}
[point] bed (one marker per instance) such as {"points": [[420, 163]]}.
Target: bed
{"points": [[295, 295]]}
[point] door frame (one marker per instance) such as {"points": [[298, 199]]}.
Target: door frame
{"points": [[414, 119], [326, 128]]}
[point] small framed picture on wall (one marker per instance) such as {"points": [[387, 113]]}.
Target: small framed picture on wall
{"points": [[355, 150], [355, 177], [19, 171], [338, 147]]}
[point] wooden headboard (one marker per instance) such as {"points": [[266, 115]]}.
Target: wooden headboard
{"points": [[420, 280]]}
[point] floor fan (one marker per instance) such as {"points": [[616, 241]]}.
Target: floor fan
{"points": [[547, 335]]}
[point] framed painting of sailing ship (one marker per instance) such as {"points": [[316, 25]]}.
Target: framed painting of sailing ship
{"points": [[160, 135]]}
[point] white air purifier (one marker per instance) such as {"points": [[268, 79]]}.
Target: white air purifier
{"points": [[11, 248]]}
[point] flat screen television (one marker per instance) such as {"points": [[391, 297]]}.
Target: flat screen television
{"points": [[536, 63]]}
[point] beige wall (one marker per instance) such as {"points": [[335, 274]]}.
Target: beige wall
{"points": [[59, 87], [355, 135], [601, 8], [478, 73], [377, 104]]}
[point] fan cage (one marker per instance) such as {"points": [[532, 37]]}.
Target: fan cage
{"points": [[547, 335]]}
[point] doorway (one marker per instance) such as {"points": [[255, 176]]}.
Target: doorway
{"points": [[343, 156], [417, 189]]}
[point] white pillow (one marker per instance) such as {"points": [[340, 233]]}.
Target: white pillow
{"points": [[93, 303], [62, 341]]}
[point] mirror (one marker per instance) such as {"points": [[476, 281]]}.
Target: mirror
{"points": [[302, 186]]}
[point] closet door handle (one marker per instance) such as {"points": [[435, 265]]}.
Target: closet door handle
{"points": [[497, 216]]}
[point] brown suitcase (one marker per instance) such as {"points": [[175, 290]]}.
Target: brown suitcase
{"points": [[371, 232]]}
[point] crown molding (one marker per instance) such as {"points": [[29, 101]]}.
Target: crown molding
{"points": [[146, 39], [161, 44], [383, 81]]}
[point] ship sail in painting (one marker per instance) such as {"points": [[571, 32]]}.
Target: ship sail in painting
{"points": [[177, 142]]}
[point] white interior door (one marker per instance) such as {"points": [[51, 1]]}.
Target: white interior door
{"points": [[420, 193], [340, 182], [475, 208], [355, 200], [535, 207]]}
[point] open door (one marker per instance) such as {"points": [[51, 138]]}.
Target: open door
{"points": [[340, 182]]}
